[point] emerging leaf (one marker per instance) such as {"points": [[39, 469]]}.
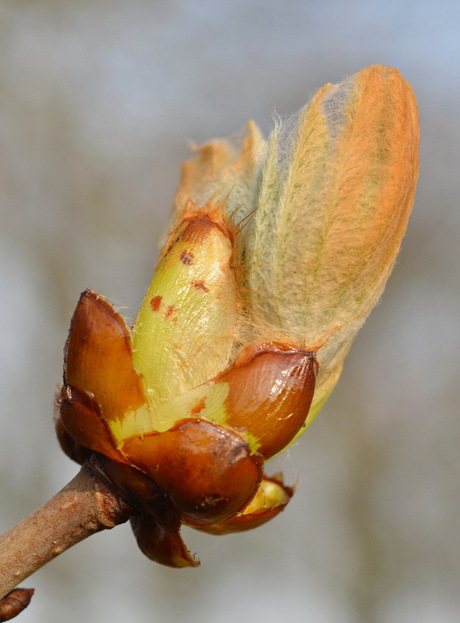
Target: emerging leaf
{"points": [[277, 253]]}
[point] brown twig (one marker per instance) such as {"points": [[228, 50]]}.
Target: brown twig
{"points": [[88, 504]]}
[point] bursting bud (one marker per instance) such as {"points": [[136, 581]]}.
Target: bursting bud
{"points": [[276, 253]]}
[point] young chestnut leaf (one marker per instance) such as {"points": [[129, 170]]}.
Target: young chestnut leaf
{"points": [[276, 254]]}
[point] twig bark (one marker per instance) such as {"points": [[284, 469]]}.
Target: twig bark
{"points": [[88, 504]]}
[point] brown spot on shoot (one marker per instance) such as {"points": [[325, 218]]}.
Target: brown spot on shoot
{"points": [[170, 310], [200, 285], [198, 407], [155, 303], [186, 257]]}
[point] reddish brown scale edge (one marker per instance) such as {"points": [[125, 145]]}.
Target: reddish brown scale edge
{"points": [[161, 544], [157, 526], [98, 358], [271, 387], [15, 602], [81, 417], [247, 521], [207, 470]]}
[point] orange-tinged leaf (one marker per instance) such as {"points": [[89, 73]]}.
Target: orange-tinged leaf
{"points": [[335, 196]]}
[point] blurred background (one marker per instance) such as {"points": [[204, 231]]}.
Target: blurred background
{"points": [[99, 101]]}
